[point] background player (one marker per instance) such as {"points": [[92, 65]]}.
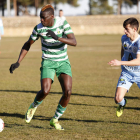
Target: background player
{"points": [[130, 62], [55, 35], [61, 15]]}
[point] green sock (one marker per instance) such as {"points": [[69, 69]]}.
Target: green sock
{"points": [[36, 103], [59, 111]]}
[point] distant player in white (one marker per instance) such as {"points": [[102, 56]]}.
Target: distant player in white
{"points": [[1, 28], [130, 62], [61, 15]]}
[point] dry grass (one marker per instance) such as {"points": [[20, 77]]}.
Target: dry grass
{"points": [[90, 114]]}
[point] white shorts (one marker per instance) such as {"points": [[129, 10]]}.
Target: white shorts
{"points": [[126, 80]]}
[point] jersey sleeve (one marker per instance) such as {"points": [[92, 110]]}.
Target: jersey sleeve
{"points": [[123, 38], [67, 28], [138, 50], [34, 36]]}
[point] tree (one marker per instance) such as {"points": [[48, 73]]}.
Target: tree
{"points": [[25, 3], [15, 6], [71, 2], [136, 2], [36, 7], [120, 2], [100, 7], [39, 3], [2, 6]]}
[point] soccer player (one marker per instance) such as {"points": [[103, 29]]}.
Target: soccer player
{"points": [[55, 34], [61, 15], [130, 62], [1, 28]]}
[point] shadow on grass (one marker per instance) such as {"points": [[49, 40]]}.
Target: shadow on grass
{"points": [[97, 121], [12, 115], [11, 125], [134, 108], [43, 118], [76, 94]]}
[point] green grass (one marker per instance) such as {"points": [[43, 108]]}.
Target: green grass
{"points": [[91, 113]]}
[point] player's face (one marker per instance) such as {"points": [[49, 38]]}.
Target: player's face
{"points": [[46, 19], [61, 13], [129, 31]]}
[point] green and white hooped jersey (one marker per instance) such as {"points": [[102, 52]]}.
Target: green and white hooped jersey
{"points": [[53, 49]]}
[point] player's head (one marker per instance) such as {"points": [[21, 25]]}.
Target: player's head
{"points": [[131, 26], [60, 13], [47, 15]]}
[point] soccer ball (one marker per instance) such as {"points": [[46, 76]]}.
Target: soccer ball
{"points": [[1, 125]]}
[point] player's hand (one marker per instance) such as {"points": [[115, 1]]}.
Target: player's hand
{"points": [[13, 67], [52, 34], [114, 62]]}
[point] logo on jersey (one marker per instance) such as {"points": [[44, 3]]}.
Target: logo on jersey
{"points": [[122, 81], [58, 31], [125, 45]]}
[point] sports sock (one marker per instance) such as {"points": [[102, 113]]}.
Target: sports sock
{"points": [[59, 111], [122, 103], [36, 103]]}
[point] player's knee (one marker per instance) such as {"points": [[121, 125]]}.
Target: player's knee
{"points": [[118, 99], [67, 94], [46, 91]]}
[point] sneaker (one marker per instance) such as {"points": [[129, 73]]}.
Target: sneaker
{"points": [[120, 109], [54, 123], [29, 114]]}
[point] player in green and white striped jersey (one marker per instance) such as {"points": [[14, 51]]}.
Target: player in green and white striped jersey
{"points": [[53, 49], [55, 34]]}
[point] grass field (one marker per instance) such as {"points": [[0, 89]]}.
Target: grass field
{"points": [[91, 113]]}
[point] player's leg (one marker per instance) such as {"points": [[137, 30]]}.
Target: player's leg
{"points": [[47, 76], [123, 86], [119, 99], [119, 95], [66, 84], [45, 88]]}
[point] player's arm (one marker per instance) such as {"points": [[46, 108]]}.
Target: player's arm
{"points": [[122, 52], [70, 40], [25, 49], [23, 52], [134, 62]]}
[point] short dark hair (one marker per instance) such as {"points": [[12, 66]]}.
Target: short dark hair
{"points": [[60, 10], [133, 23]]}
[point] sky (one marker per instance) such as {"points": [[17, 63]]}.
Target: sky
{"points": [[83, 9]]}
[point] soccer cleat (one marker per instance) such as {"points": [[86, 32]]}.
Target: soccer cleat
{"points": [[54, 123], [120, 109], [29, 114]]}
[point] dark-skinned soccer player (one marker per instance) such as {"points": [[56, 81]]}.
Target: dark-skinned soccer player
{"points": [[55, 34]]}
